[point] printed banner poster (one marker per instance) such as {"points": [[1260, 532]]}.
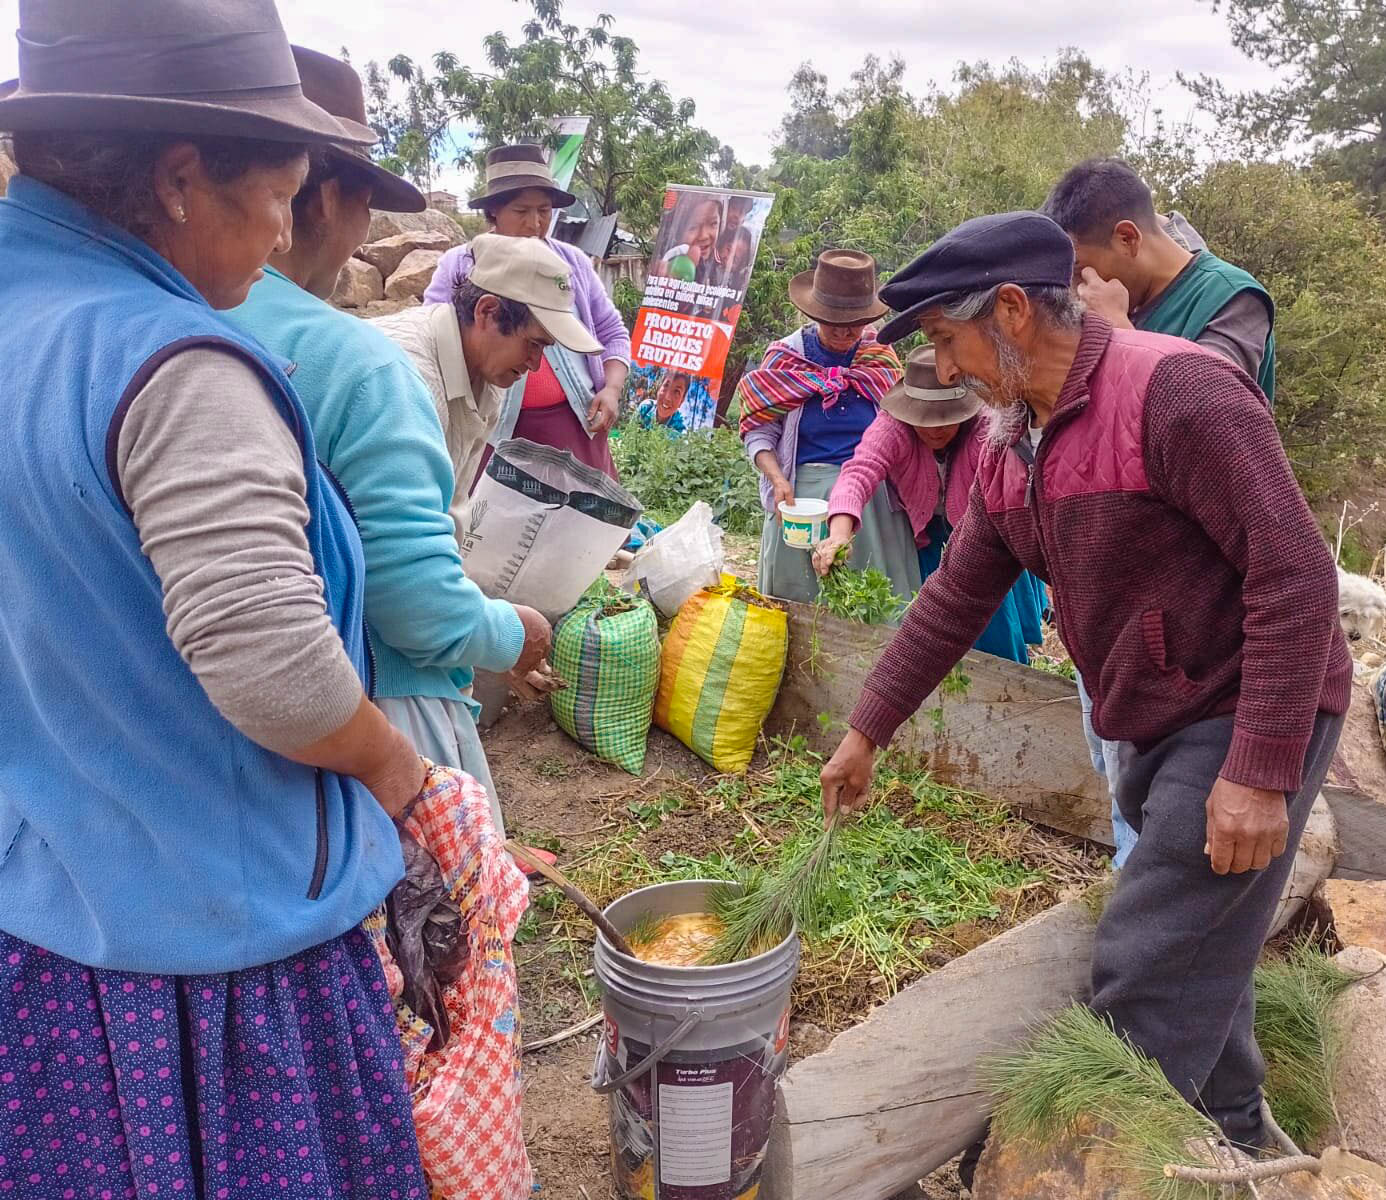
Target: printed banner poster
{"points": [[563, 160], [694, 290]]}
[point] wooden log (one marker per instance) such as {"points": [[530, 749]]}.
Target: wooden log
{"points": [[1014, 733], [896, 1096]]}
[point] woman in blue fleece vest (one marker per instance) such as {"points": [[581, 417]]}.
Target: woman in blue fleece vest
{"points": [[195, 790]]}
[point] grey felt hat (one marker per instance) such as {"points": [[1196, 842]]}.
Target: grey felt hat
{"points": [[218, 68], [920, 399]]}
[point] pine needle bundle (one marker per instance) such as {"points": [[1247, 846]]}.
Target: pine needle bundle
{"points": [[760, 909], [1076, 1069], [1299, 1037]]}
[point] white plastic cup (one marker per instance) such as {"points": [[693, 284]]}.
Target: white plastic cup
{"points": [[804, 523]]}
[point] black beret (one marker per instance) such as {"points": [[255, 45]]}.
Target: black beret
{"points": [[1024, 248]]}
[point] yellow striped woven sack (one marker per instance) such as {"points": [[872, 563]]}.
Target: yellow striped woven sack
{"points": [[720, 671]]}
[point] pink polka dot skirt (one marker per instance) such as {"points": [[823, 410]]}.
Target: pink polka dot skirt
{"points": [[279, 1081]]}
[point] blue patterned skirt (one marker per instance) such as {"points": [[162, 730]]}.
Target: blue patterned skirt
{"points": [[284, 1080]]}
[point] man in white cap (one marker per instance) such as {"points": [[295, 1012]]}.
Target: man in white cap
{"points": [[517, 300]]}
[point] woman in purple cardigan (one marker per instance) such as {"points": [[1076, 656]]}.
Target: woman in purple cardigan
{"points": [[926, 442], [572, 401]]}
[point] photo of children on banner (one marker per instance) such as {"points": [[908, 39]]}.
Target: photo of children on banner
{"points": [[673, 399], [665, 406], [708, 238]]}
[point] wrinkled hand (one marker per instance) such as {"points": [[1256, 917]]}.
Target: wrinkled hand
{"points": [[782, 491], [534, 685], [538, 639], [825, 553], [846, 779], [398, 777], [1247, 827], [604, 409], [1108, 298]]}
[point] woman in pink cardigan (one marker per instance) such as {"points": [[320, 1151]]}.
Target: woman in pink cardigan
{"points": [[926, 441]]}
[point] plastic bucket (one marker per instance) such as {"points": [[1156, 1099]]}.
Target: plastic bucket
{"points": [[804, 523], [689, 1059]]}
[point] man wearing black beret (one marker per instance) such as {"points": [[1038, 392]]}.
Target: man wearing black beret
{"points": [[1142, 477]]}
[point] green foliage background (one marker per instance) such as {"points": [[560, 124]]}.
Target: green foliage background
{"points": [[875, 168]]}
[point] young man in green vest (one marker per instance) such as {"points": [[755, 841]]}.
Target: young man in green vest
{"points": [[1141, 271], [1131, 271]]}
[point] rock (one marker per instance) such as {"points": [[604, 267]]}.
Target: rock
{"points": [[412, 275], [1339, 1164], [1359, 1094], [1081, 1167], [388, 224], [1359, 911], [386, 254], [358, 284]]}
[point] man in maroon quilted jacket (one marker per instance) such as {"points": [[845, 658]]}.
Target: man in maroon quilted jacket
{"points": [[1142, 477]]}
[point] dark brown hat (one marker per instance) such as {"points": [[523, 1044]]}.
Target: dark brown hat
{"points": [[514, 168], [840, 290], [921, 399], [214, 67], [333, 86]]}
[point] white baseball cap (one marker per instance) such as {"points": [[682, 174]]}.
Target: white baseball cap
{"points": [[526, 270]]}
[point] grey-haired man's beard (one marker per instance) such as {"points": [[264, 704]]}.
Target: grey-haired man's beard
{"points": [[1006, 412]]}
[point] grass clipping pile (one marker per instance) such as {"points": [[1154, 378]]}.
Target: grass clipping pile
{"points": [[926, 874]]}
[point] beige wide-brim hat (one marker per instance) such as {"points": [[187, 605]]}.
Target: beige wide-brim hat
{"points": [[192, 67], [526, 270], [840, 290], [511, 169], [921, 400]]}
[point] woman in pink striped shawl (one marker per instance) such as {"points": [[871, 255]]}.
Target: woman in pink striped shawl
{"points": [[803, 413]]}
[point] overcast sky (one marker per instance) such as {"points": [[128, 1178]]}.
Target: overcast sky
{"points": [[734, 57]]}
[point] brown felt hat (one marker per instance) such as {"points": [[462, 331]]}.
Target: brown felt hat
{"points": [[335, 87], [220, 68], [840, 290], [514, 168], [920, 398]]}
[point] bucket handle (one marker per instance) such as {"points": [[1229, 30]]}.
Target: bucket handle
{"points": [[604, 1087]]}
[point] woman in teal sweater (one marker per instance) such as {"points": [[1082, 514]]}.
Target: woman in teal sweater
{"points": [[378, 433]]}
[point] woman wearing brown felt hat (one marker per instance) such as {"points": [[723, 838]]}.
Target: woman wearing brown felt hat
{"points": [[926, 443], [195, 791], [804, 411]]}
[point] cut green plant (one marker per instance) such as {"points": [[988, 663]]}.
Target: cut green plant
{"points": [[927, 872], [867, 596], [1075, 1075]]}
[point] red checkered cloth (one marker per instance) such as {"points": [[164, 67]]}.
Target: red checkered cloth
{"points": [[467, 1095]]}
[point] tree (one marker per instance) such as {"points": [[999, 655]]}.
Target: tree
{"points": [[640, 137], [1321, 258], [812, 125], [1333, 56], [413, 126]]}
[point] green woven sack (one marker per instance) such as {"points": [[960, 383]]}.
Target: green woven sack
{"points": [[607, 649]]}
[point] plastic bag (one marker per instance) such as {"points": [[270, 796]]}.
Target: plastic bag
{"points": [[424, 933], [467, 1094], [678, 561], [720, 672], [607, 649], [540, 526]]}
